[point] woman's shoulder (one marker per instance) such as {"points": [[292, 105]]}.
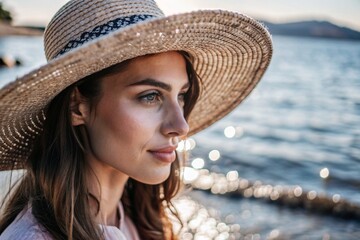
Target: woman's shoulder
{"points": [[25, 227]]}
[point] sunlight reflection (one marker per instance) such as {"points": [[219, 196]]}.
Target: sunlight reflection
{"points": [[232, 175], [223, 236], [244, 183], [220, 186], [214, 155], [229, 132], [298, 191], [186, 145], [202, 223], [189, 175], [294, 196], [274, 195], [324, 173], [311, 195], [204, 182], [187, 236], [192, 143], [181, 146], [336, 198], [248, 193], [274, 234], [198, 163]]}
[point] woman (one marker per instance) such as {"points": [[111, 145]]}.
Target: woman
{"points": [[97, 127]]}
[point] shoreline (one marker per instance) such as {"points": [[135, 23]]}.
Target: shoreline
{"points": [[8, 30]]}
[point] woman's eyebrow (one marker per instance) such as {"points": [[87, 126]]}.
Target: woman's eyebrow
{"points": [[186, 86], [156, 83]]}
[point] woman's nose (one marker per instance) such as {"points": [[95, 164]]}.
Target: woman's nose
{"points": [[174, 122]]}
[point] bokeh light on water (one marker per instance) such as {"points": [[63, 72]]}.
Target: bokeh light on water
{"points": [[186, 145], [324, 173], [214, 155], [198, 163], [229, 132]]}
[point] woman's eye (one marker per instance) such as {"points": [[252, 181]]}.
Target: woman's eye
{"points": [[181, 99], [151, 97]]}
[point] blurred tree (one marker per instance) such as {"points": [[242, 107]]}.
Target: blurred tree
{"points": [[5, 16]]}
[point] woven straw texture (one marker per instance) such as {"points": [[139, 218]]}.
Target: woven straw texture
{"points": [[231, 53]]}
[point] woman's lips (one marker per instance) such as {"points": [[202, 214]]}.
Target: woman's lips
{"points": [[166, 155]]}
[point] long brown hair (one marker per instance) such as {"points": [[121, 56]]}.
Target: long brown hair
{"points": [[54, 184]]}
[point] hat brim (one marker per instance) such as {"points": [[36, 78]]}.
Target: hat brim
{"points": [[231, 53]]}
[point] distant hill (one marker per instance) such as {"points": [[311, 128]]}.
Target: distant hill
{"points": [[321, 29]]}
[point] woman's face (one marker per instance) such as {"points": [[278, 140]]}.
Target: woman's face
{"points": [[138, 121]]}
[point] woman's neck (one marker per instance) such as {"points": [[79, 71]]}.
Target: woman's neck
{"points": [[106, 185]]}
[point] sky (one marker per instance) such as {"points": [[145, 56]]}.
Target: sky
{"points": [[341, 12]]}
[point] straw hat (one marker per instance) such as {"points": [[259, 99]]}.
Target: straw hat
{"points": [[231, 52]]}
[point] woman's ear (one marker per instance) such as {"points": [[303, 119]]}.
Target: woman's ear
{"points": [[79, 108]]}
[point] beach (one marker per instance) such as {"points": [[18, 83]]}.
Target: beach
{"points": [[9, 30]]}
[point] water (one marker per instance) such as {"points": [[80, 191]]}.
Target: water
{"points": [[28, 49], [302, 118]]}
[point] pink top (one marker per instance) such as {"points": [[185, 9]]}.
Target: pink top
{"points": [[26, 227]]}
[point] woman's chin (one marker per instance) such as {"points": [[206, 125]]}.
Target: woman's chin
{"points": [[154, 180]]}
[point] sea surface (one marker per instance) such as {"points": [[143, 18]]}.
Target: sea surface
{"points": [[299, 127]]}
